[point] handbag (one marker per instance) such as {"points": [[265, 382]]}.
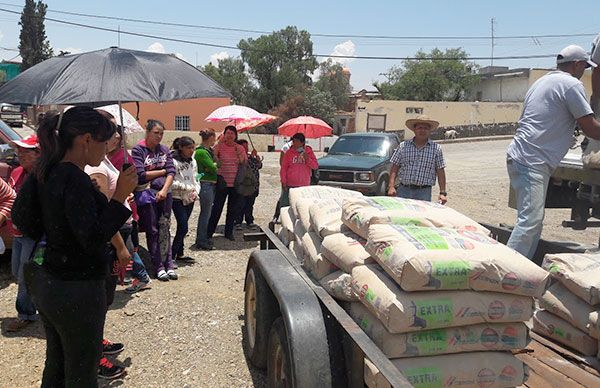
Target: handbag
{"points": [[245, 180]]}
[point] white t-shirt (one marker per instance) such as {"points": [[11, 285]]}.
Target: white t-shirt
{"points": [[552, 106]]}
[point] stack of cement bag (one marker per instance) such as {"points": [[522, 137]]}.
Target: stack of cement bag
{"points": [[442, 292], [570, 306], [314, 215]]}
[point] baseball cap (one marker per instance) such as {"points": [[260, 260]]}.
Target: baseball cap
{"points": [[574, 53], [30, 141]]}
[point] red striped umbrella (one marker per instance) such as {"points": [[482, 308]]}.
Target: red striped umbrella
{"points": [[246, 125], [311, 127], [235, 113]]}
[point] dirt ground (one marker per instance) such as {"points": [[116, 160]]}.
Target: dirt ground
{"points": [[188, 333]]}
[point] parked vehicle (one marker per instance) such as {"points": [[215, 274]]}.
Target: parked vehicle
{"points": [[359, 161], [8, 161], [11, 115]]}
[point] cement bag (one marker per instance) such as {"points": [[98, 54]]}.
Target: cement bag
{"points": [[561, 331], [287, 220], [591, 155], [425, 259], [326, 217], [345, 251], [472, 338], [296, 249], [402, 312], [318, 192], [302, 211], [339, 285], [561, 302], [299, 231], [370, 375], [313, 260], [464, 370], [579, 272], [359, 213]]}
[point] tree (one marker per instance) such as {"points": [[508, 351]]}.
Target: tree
{"points": [[34, 46], [318, 103], [334, 80], [279, 63], [231, 74], [434, 76]]}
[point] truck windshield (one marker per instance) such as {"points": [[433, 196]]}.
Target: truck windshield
{"points": [[361, 145]]}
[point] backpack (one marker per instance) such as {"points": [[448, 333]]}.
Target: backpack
{"points": [[245, 181]]}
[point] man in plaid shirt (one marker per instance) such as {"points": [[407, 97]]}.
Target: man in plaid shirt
{"points": [[417, 163]]}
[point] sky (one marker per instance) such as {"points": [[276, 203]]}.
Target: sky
{"points": [[434, 18]]}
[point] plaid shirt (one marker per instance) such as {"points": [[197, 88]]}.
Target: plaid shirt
{"points": [[418, 166]]}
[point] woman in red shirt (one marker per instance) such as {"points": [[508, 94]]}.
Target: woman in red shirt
{"points": [[229, 156]]}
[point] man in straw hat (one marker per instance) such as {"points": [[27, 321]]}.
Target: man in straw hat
{"points": [[417, 163], [553, 106]]}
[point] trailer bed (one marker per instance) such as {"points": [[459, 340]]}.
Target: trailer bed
{"points": [[552, 365]]}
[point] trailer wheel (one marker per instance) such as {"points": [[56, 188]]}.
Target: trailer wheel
{"points": [[278, 363], [260, 310]]}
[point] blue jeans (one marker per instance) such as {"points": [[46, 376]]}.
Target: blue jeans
{"points": [[207, 197], [182, 215], [21, 253], [530, 186], [423, 194]]}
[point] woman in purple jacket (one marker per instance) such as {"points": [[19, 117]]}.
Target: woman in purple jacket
{"points": [[155, 170]]}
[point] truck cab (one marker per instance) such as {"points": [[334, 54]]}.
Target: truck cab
{"points": [[359, 161]]}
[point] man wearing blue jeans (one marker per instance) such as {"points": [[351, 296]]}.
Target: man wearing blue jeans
{"points": [[417, 163], [553, 105]]}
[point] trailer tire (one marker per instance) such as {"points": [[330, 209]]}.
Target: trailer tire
{"points": [[279, 373], [260, 310]]}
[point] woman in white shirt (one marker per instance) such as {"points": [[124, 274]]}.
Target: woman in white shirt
{"points": [[185, 191]]}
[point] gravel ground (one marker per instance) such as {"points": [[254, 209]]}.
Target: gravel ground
{"points": [[188, 333]]}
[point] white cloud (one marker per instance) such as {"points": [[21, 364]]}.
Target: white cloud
{"points": [[347, 48], [214, 59], [156, 47]]}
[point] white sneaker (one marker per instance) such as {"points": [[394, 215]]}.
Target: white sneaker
{"points": [[172, 275], [162, 276]]}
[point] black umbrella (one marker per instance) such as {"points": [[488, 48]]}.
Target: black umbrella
{"points": [[109, 76]]}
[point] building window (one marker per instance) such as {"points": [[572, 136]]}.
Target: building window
{"points": [[182, 123], [418, 111], [376, 123]]}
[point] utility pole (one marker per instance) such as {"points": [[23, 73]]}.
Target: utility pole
{"points": [[493, 21]]}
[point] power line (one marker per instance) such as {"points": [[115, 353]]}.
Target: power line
{"points": [[273, 52], [208, 27]]}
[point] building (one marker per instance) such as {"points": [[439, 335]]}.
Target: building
{"points": [[391, 115], [180, 115], [345, 119], [10, 70], [501, 84]]}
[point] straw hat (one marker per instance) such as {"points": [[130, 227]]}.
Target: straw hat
{"points": [[422, 119]]}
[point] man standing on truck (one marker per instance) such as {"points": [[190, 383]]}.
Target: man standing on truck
{"points": [[417, 163], [553, 106]]}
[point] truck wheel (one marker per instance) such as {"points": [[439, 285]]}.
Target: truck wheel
{"points": [[260, 310], [382, 187], [278, 363]]}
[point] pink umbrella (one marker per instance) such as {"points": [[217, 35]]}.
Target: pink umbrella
{"points": [[235, 113], [246, 125], [311, 127]]}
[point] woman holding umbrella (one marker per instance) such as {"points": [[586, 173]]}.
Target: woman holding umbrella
{"points": [[229, 155], [156, 171]]}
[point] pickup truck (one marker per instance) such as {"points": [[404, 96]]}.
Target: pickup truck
{"points": [[11, 115], [359, 161]]}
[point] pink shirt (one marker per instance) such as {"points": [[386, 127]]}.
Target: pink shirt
{"points": [[111, 173], [229, 161]]}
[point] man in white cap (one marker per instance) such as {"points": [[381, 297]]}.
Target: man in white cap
{"points": [[417, 162], [553, 106]]}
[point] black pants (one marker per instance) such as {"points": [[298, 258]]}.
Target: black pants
{"points": [[246, 208], [112, 279], [73, 314], [232, 211]]}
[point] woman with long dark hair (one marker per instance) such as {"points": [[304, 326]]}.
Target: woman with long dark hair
{"points": [[156, 172], [229, 156], [60, 205], [185, 191]]}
